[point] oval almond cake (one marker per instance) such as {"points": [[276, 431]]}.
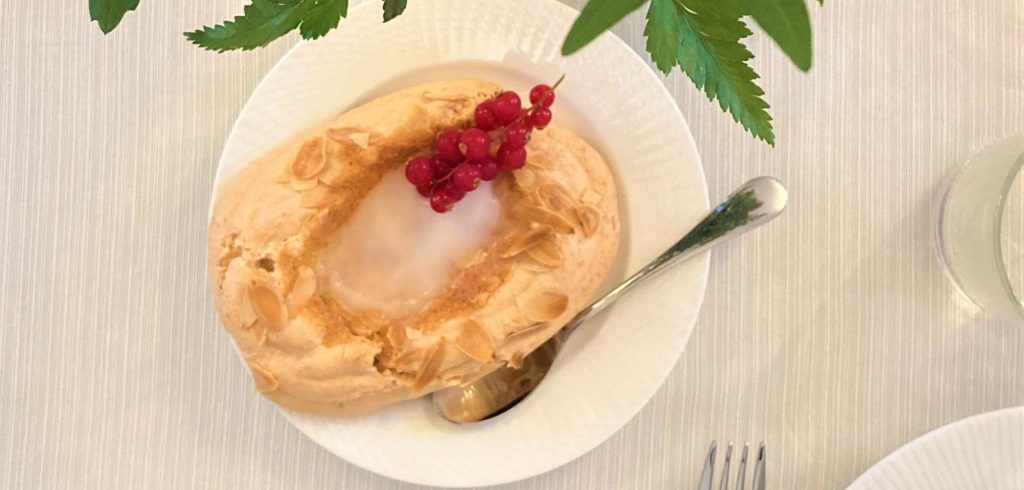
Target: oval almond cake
{"points": [[344, 291]]}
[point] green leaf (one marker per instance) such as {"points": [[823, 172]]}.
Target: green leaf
{"points": [[702, 37], [786, 21], [262, 22], [393, 8], [321, 17], [597, 16], [108, 13]]}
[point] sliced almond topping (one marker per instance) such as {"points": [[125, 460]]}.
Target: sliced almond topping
{"points": [[304, 185], [259, 333], [431, 96], [547, 253], [525, 178], [285, 176], [590, 197], [417, 121], [518, 244], [515, 361], [264, 379], [316, 197], [396, 336], [303, 289], [589, 218], [360, 139], [409, 360], [310, 159], [268, 305], [474, 341], [544, 306], [333, 172], [246, 315], [550, 218], [553, 196], [430, 367], [527, 330]]}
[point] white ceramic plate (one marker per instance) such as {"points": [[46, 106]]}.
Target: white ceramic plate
{"points": [[981, 452], [612, 367]]}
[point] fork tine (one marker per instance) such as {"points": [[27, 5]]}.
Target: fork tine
{"points": [[740, 483], [724, 485], [708, 473], [759, 469]]}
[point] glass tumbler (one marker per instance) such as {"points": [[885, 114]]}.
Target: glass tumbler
{"points": [[970, 225]]}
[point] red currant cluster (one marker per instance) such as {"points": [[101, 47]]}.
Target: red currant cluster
{"points": [[496, 142]]}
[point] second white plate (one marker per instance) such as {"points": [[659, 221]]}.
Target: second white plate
{"points": [[614, 365]]}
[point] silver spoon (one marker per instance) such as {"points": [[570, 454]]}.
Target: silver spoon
{"points": [[752, 205]]}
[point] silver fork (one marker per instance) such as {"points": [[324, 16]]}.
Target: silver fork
{"points": [[707, 476]]}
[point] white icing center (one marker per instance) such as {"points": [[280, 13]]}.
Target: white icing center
{"points": [[395, 254]]}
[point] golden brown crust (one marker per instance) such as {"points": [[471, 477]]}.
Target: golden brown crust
{"points": [[308, 351]]}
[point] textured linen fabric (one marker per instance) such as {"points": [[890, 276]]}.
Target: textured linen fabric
{"points": [[834, 334]]}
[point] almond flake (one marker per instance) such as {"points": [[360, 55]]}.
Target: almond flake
{"points": [[361, 140], [550, 218], [284, 177], [397, 337], [553, 196], [525, 178], [268, 305], [522, 242], [544, 306], [304, 185], [590, 197], [333, 173], [474, 341], [431, 96], [246, 315], [264, 379], [515, 361], [303, 289], [589, 218], [259, 333], [316, 197], [527, 330], [310, 159], [430, 367], [547, 253]]}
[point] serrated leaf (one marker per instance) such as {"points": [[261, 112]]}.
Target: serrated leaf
{"points": [[786, 21], [262, 22], [321, 16], [108, 13], [702, 37], [393, 8], [597, 16]]}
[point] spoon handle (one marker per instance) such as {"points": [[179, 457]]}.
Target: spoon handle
{"points": [[755, 203]]}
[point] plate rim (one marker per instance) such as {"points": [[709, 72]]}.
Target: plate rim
{"points": [[862, 481]]}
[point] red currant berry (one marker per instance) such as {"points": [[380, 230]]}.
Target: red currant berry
{"points": [[538, 93], [487, 168], [466, 177], [511, 158], [474, 143], [441, 202], [440, 166], [507, 107], [539, 117], [448, 145], [424, 190], [453, 191], [517, 134], [419, 171], [484, 116]]}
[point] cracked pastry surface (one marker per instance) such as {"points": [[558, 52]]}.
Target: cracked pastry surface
{"points": [[321, 329]]}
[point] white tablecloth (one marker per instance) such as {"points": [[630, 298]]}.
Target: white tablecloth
{"points": [[833, 334]]}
